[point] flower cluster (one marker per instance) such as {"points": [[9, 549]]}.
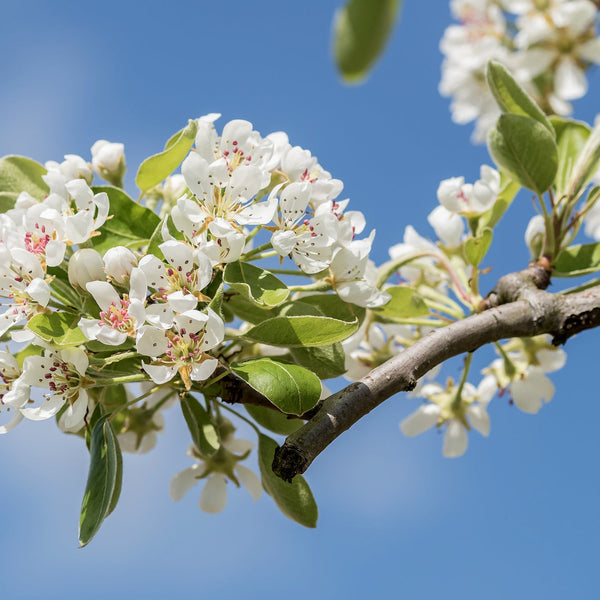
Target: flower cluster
{"points": [[548, 44]]}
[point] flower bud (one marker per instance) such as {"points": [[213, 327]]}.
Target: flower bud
{"points": [[119, 262], [535, 235], [108, 160], [84, 266], [73, 167]]}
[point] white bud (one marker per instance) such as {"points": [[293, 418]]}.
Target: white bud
{"points": [[108, 160], [119, 262], [84, 266], [534, 235]]}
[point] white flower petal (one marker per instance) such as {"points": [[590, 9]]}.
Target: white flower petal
{"points": [[185, 480], [214, 494], [424, 418], [455, 440], [249, 480]]}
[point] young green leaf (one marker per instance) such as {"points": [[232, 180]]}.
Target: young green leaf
{"points": [[204, 434], [291, 388], [586, 164], [404, 304], [57, 328], [103, 486], [361, 30], [511, 97], [571, 137], [19, 174], [476, 247], [301, 331], [158, 167], [578, 260], [131, 224], [256, 284], [331, 305], [526, 149], [295, 499]]}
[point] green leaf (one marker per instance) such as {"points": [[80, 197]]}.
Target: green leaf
{"points": [[301, 331], [156, 239], [291, 388], [361, 30], [99, 348], [295, 500], [29, 350], [57, 328], [7, 201], [586, 164], [204, 434], [118, 480], [273, 420], [259, 286], [113, 396], [511, 97], [526, 149], [477, 247], [19, 174], [578, 260], [571, 137], [331, 305], [247, 311], [131, 224], [158, 167], [324, 361], [215, 291], [102, 488], [404, 304]]}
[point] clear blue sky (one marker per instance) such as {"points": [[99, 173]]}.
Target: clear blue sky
{"points": [[516, 517]]}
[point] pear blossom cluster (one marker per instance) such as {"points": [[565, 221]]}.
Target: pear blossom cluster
{"points": [[548, 45], [154, 307], [438, 272]]}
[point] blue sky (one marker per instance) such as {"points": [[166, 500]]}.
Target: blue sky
{"points": [[515, 517]]}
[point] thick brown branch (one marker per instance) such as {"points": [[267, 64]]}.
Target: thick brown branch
{"points": [[533, 313]]}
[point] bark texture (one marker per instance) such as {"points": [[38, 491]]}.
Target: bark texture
{"points": [[518, 307]]}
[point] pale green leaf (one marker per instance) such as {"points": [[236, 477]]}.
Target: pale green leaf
{"points": [[405, 304], [477, 247], [511, 97], [157, 168], [130, 224], [526, 149], [578, 260], [571, 137], [20, 174], [258, 285], [58, 328], [301, 331]]}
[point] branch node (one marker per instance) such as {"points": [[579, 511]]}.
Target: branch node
{"points": [[289, 462]]}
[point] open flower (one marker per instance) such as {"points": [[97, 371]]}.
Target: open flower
{"points": [[459, 413], [62, 373], [216, 471], [182, 349], [120, 317]]}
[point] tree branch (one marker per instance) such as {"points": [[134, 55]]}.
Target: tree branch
{"points": [[518, 308]]}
